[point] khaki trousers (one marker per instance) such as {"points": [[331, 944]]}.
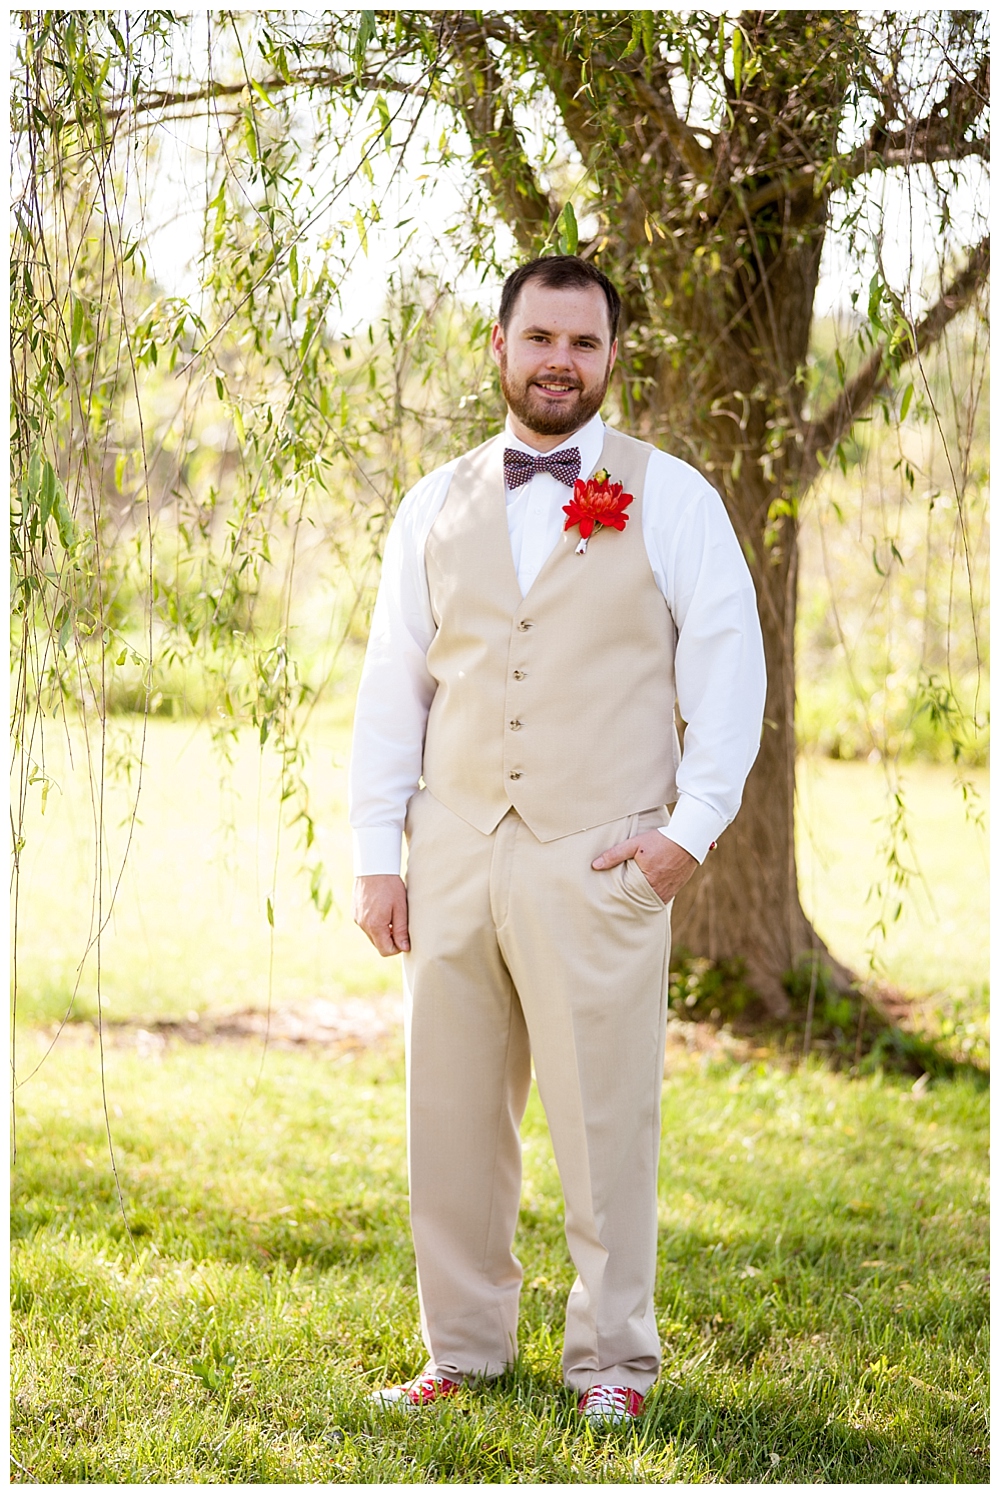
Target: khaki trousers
{"points": [[521, 950]]}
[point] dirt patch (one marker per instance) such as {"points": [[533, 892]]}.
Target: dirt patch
{"points": [[355, 1023], [707, 1040]]}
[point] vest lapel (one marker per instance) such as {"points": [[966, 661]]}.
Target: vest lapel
{"points": [[497, 531]]}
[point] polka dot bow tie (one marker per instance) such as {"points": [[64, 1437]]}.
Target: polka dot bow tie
{"points": [[519, 467]]}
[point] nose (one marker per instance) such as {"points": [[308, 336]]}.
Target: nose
{"points": [[559, 354]]}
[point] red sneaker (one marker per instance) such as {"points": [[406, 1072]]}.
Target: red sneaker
{"points": [[610, 1405], [421, 1391]]}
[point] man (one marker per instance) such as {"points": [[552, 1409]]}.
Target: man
{"points": [[524, 661]]}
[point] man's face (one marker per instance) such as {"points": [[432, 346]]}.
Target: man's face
{"points": [[555, 358]]}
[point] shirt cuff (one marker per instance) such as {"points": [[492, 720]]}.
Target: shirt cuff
{"points": [[378, 851], [694, 826]]}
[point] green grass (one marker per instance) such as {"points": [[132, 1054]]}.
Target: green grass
{"points": [[821, 1293], [822, 1280]]}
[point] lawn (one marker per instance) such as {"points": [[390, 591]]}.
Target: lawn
{"points": [[823, 1239], [821, 1295]]}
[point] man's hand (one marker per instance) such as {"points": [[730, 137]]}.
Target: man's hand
{"points": [[380, 909], [665, 865]]}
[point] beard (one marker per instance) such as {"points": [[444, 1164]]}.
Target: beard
{"points": [[548, 418]]}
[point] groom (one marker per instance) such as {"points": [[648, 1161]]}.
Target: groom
{"points": [[516, 718]]}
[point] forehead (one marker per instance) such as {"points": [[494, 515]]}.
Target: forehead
{"points": [[566, 308]]}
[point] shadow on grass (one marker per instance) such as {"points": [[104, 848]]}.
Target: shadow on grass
{"points": [[186, 1224], [860, 1028]]}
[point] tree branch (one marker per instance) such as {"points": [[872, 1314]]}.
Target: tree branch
{"points": [[499, 154], [863, 161], [936, 137], [822, 434], [686, 145], [544, 45], [315, 78], [951, 117]]}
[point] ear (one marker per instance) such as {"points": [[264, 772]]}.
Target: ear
{"points": [[613, 355], [497, 342]]}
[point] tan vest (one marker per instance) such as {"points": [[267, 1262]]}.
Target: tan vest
{"points": [[559, 703]]}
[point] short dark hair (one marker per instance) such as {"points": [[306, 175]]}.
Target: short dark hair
{"points": [[558, 271]]}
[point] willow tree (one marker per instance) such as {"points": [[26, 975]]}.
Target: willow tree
{"points": [[712, 154], [703, 162]]}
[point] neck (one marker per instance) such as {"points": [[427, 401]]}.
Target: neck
{"points": [[535, 439]]}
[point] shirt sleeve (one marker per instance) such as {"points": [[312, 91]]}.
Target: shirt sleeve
{"points": [[719, 658], [396, 688]]}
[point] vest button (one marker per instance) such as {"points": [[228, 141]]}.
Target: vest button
{"points": [[523, 625], [514, 774], [519, 674], [514, 725]]}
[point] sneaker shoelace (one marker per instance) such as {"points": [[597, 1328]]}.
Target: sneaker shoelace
{"points": [[427, 1388], [611, 1402]]}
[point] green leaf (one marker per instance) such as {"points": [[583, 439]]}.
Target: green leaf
{"points": [[34, 472], [841, 370], [270, 913], [362, 231], [571, 232], [907, 398], [77, 324], [737, 60], [64, 519], [366, 31], [47, 495], [306, 339]]}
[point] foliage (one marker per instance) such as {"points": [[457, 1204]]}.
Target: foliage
{"points": [[190, 459], [183, 463], [892, 653], [703, 989], [821, 1293]]}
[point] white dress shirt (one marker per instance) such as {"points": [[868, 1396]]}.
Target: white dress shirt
{"points": [[719, 662]]}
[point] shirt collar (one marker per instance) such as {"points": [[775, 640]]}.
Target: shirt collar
{"points": [[589, 439]]}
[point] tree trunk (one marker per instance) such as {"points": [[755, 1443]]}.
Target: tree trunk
{"points": [[744, 902]]}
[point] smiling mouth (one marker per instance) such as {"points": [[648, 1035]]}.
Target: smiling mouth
{"points": [[555, 388]]}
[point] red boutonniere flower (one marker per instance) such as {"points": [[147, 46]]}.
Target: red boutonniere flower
{"points": [[597, 503]]}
